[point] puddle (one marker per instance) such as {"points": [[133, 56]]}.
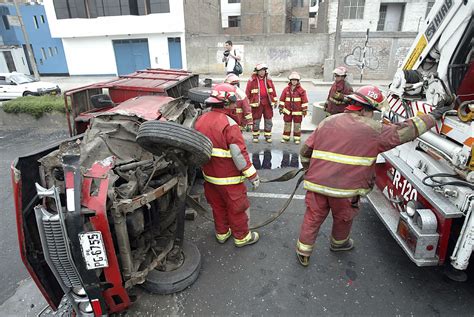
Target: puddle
{"points": [[271, 159]]}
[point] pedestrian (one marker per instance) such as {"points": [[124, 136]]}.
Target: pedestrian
{"points": [[263, 98], [293, 106], [228, 168], [230, 56], [337, 101], [243, 109], [340, 159]]}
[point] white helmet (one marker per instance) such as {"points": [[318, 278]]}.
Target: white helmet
{"points": [[340, 71], [294, 75]]}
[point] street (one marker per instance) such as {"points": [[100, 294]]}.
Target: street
{"points": [[376, 278]]}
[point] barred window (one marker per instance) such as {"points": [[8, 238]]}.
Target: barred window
{"points": [[234, 21], [354, 9]]}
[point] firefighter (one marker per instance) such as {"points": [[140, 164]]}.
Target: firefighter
{"points": [[228, 168], [340, 160], [293, 106], [243, 110], [337, 101], [263, 98]]}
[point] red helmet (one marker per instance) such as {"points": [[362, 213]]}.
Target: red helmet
{"points": [[222, 94], [232, 79], [368, 96]]}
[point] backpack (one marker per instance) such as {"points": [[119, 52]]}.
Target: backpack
{"points": [[237, 67]]}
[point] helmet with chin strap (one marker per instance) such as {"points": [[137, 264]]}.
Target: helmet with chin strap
{"points": [[232, 79]]}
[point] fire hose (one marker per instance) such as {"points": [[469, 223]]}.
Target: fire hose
{"points": [[202, 211]]}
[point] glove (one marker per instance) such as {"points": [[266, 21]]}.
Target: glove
{"points": [[274, 105], [280, 110], [438, 112], [304, 113], [255, 182]]}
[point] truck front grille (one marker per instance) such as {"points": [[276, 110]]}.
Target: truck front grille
{"points": [[55, 247]]}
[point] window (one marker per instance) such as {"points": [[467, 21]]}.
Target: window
{"points": [[43, 20], [354, 9], [55, 50], [5, 22], [69, 9], [234, 1], [382, 16], [428, 8], [297, 3], [35, 21], [234, 21], [43, 53], [50, 49], [296, 25]]}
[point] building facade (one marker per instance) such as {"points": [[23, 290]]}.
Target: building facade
{"points": [[48, 52], [118, 36]]}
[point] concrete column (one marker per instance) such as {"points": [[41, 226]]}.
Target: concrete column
{"points": [[329, 65]]}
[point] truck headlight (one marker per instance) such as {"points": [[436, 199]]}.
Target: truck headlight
{"points": [[411, 208]]}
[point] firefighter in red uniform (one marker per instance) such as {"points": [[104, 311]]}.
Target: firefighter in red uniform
{"points": [[243, 109], [337, 101], [228, 168], [341, 156], [263, 98], [293, 106]]}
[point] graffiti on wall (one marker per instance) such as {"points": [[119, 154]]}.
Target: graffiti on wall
{"points": [[279, 54], [359, 59]]}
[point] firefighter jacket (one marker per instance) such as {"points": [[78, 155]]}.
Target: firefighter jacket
{"points": [[342, 151], [230, 163], [243, 110], [336, 98], [293, 102], [253, 91]]}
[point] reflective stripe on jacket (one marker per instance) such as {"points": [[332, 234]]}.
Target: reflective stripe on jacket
{"points": [[230, 163], [343, 149], [294, 102], [253, 91]]}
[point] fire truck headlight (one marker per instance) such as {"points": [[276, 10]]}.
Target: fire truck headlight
{"points": [[411, 208]]}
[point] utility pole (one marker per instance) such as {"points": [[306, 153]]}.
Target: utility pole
{"points": [[337, 36], [31, 56]]}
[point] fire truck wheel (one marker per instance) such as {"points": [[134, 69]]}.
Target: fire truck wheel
{"points": [[159, 282], [158, 136], [199, 94]]}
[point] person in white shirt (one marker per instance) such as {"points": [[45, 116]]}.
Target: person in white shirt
{"points": [[229, 58]]}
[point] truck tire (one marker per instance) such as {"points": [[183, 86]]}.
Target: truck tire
{"points": [[156, 136], [199, 94], [159, 282]]}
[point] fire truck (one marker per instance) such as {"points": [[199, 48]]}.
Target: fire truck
{"points": [[424, 191]]}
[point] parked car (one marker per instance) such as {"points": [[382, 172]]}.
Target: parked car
{"points": [[104, 210], [13, 85]]}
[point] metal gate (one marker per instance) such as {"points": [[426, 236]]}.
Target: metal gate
{"points": [[131, 55]]}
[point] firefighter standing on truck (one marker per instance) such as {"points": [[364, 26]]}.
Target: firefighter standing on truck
{"points": [[341, 156], [337, 102], [243, 109], [263, 98], [228, 168], [293, 106]]}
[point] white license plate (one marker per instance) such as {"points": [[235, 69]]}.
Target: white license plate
{"points": [[93, 250]]}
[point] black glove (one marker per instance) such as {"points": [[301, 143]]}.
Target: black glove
{"points": [[438, 112]]}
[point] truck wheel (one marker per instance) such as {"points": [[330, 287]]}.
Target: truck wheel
{"points": [[199, 94], [156, 136], [160, 282]]}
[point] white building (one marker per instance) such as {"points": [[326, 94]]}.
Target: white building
{"points": [[119, 36]]}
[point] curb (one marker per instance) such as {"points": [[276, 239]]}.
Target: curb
{"points": [[52, 120]]}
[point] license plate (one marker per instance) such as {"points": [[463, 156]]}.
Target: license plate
{"points": [[93, 250]]}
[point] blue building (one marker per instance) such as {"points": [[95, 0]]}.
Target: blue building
{"points": [[48, 51]]}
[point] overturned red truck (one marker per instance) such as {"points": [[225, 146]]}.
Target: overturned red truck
{"points": [[104, 210]]}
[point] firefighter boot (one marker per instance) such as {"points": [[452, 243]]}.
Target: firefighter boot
{"points": [[222, 238], [251, 238], [286, 132], [297, 133], [255, 135], [303, 259], [342, 245]]}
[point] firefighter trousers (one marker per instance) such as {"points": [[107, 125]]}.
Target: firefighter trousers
{"points": [[229, 207], [265, 109], [317, 209]]}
